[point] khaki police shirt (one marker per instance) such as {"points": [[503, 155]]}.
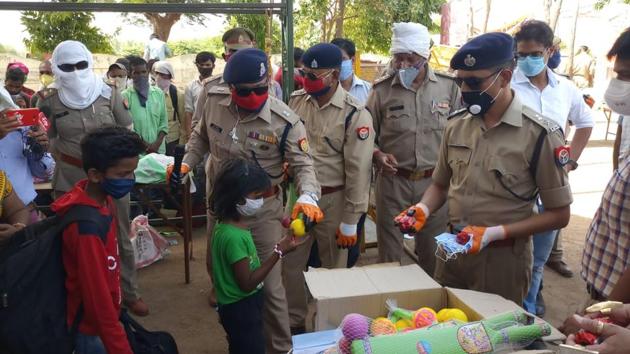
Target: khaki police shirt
{"points": [[410, 124], [258, 137], [68, 126], [342, 156], [471, 155]]}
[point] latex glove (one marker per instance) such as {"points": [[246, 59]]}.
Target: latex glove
{"points": [[481, 236], [346, 235], [308, 206], [412, 220], [174, 179]]}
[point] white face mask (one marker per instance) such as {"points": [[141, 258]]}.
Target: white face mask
{"points": [[617, 96], [250, 207]]}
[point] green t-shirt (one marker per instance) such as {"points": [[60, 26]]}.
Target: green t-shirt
{"points": [[231, 244]]}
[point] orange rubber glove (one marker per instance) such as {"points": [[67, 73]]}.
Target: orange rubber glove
{"points": [[412, 220], [346, 235], [308, 206], [177, 177], [481, 236]]}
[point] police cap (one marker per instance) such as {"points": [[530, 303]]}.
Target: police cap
{"points": [[485, 51], [322, 56], [246, 66]]}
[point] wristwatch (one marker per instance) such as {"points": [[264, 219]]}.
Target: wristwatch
{"points": [[573, 164]]}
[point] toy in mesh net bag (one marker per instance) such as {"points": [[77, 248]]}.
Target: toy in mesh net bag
{"points": [[506, 332], [421, 318]]}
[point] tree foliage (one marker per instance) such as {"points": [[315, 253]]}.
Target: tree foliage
{"points": [[367, 22], [162, 23], [47, 29], [258, 24], [600, 4]]}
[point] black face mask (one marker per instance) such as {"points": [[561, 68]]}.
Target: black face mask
{"points": [[205, 72], [479, 102]]}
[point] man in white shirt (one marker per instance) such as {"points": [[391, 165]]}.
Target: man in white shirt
{"points": [[559, 100], [204, 61], [358, 88], [156, 49], [622, 140]]}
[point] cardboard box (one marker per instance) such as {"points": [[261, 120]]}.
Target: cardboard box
{"points": [[338, 292]]}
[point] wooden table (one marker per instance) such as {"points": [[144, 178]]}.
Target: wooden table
{"points": [[184, 205]]}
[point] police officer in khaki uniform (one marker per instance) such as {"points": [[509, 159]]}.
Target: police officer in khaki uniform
{"points": [[341, 137], [410, 107], [242, 121], [495, 158], [81, 103]]}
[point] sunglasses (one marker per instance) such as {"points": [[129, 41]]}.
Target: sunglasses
{"points": [[312, 76], [244, 92], [68, 68], [474, 83]]}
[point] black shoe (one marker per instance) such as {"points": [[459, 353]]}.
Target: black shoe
{"points": [[298, 330], [561, 268], [540, 305]]}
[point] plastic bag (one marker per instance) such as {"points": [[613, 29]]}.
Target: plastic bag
{"points": [[152, 168], [148, 246]]}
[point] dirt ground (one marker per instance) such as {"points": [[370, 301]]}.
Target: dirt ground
{"points": [[182, 309]]}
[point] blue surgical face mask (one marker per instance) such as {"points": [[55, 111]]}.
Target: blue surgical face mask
{"points": [[346, 70], [554, 60], [531, 66], [118, 187]]}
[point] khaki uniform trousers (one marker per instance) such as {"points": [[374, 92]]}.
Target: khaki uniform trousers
{"points": [[267, 230], [501, 270], [128, 274], [330, 255], [393, 195]]}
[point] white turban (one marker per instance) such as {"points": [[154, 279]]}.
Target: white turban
{"points": [[80, 88], [164, 67], [409, 37]]}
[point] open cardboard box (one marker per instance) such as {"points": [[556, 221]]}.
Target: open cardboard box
{"points": [[338, 292]]}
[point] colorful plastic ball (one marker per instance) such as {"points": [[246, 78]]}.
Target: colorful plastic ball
{"points": [[424, 317], [381, 326], [298, 227], [344, 345], [446, 314], [403, 325], [355, 326]]}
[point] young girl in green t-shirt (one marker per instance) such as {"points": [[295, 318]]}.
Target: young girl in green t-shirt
{"points": [[237, 273]]}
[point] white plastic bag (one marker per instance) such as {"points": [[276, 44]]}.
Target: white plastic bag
{"points": [[148, 245]]}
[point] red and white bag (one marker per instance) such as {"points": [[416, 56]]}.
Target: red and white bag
{"points": [[148, 245]]}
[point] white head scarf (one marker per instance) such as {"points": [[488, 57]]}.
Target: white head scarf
{"points": [[409, 37], [80, 88], [6, 102]]}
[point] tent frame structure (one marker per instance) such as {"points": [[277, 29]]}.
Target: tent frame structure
{"points": [[284, 9]]}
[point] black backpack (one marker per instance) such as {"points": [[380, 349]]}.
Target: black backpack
{"points": [[32, 286], [143, 341]]}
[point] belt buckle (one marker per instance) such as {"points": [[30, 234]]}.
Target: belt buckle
{"points": [[416, 175]]}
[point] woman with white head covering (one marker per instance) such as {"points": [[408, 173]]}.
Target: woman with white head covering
{"points": [[77, 103]]}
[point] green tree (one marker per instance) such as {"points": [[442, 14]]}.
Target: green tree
{"points": [[47, 29], [367, 22], [259, 25], [162, 23], [601, 3]]}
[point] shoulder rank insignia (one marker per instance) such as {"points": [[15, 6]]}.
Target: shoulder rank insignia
{"points": [[269, 139], [303, 143], [562, 155], [363, 133]]}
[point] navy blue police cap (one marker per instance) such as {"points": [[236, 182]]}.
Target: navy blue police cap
{"points": [[322, 56], [246, 66], [485, 51]]}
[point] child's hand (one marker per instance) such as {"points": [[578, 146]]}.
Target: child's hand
{"points": [[289, 242]]}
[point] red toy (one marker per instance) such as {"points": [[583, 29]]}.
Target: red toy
{"points": [[463, 238], [406, 223]]}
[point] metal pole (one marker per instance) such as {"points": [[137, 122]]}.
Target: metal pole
{"points": [[287, 51]]}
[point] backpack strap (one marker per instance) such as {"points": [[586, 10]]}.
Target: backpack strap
{"points": [[172, 91], [88, 219]]}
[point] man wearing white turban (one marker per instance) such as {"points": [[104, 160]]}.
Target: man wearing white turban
{"points": [[77, 103], [410, 106]]}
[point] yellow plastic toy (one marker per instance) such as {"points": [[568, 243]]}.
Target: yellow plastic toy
{"points": [[403, 325], [298, 227], [446, 314]]}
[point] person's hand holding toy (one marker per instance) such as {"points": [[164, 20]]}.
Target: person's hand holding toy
{"points": [[481, 236], [307, 205], [412, 220], [612, 339]]}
